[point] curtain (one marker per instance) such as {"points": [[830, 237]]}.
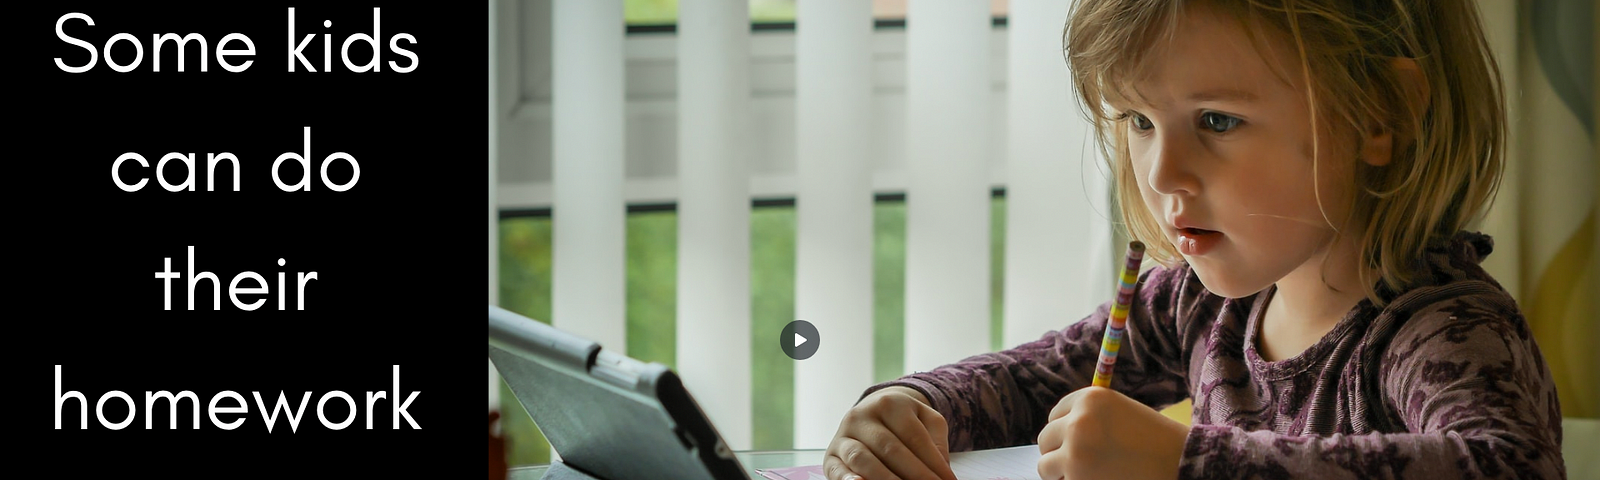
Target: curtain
{"points": [[1547, 253]]}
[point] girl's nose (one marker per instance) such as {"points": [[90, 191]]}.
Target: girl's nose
{"points": [[1172, 166]]}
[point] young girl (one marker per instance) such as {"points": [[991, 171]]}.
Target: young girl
{"points": [[1312, 165]]}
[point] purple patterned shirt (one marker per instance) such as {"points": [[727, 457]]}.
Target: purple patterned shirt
{"points": [[1443, 382]]}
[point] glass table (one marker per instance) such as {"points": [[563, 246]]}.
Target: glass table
{"points": [[1580, 436], [751, 460]]}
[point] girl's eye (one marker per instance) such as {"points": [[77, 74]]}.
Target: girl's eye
{"points": [[1140, 122], [1217, 122]]}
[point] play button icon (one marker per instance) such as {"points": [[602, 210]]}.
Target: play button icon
{"points": [[799, 340]]}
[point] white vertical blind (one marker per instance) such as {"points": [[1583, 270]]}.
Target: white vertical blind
{"points": [[494, 221], [1060, 260], [947, 199], [833, 251], [713, 324], [587, 291], [1058, 256]]}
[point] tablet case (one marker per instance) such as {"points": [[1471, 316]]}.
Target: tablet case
{"points": [[609, 417]]}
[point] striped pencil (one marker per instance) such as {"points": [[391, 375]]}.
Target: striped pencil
{"points": [[1118, 324]]}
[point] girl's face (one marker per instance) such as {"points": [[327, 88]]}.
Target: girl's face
{"points": [[1222, 148]]}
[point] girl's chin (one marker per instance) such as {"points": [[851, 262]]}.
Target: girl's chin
{"points": [[1223, 285]]}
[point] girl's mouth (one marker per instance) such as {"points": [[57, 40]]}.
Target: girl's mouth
{"points": [[1197, 241]]}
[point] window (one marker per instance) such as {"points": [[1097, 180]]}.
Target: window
{"points": [[652, 251], [665, 12]]}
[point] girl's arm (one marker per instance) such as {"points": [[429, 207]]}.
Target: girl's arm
{"points": [[1004, 398], [1467, 381]]}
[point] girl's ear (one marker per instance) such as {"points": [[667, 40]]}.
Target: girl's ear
{"points": [[1380, 142], [1414, 88], [1377, 149]]}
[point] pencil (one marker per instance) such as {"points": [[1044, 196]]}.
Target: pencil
{"points": [[1118, 324]]}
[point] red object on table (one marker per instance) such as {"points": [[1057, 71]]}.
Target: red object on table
{"points": [[497, 450]]}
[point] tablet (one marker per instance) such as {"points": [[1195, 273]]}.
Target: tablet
{"points": [[608, 416]]}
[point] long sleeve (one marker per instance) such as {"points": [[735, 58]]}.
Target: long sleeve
{"points": [[1004, 398], [1462, 378]]}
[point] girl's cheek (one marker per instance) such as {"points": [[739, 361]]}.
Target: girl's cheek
{"points": [[1141, 175], [1141, 168]]}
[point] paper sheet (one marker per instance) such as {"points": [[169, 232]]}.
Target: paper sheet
{"points": [[1014, 463]]}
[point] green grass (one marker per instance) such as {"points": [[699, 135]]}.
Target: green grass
{"points": [[650, 12], [652, 270], [889, 290], [524, 289], [772, 240], [665, 12]]}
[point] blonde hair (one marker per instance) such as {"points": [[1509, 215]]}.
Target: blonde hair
{"points": [[1448, 154]]}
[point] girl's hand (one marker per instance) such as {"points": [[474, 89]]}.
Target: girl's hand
{"points": [[891, 435], [1097, 432]]}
